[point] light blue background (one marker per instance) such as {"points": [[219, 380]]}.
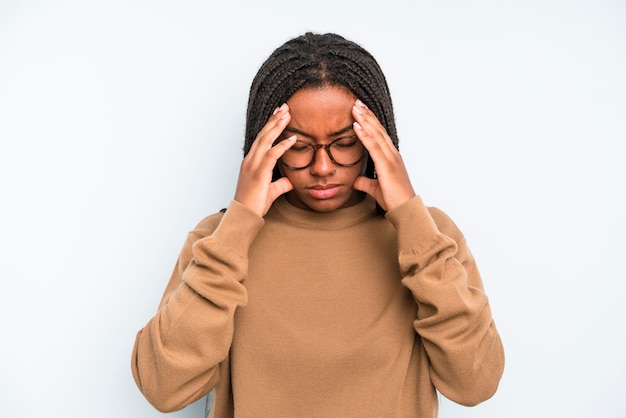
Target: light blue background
{"points": [[121, 126]]}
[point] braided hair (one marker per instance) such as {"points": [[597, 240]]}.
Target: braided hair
{"points": [[316, 61]]}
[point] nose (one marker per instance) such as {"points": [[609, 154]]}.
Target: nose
{"points": [[322, 164]]}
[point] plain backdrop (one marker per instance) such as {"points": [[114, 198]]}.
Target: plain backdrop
{"points": [[121, 126]]}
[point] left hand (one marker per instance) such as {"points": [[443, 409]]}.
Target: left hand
{"points": [[393, 186]]}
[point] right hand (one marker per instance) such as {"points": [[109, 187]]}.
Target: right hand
{"points": [[255, 189]]}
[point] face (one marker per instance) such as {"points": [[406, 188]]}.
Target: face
{"points": [[320, 116]]}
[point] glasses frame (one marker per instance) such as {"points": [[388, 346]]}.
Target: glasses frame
{"points": [[330, 155]]}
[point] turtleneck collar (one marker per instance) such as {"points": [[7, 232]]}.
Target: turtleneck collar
{"points": [[337, 219]]}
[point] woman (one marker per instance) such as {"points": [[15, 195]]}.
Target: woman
{"points": [[327, 288]]}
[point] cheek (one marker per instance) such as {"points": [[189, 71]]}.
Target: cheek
{"points": [[351, 174], [296, 177]]}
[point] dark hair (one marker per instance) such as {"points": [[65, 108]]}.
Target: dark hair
{"points": [[314, 61]]}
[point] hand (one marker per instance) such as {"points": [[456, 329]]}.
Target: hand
{"points": [[255, 188], [393, 186]]}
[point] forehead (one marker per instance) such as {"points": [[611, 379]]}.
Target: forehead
{"points": [[322, 96], [321, 111]]}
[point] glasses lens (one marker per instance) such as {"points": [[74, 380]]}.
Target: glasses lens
{"points": [[299, 155], [347, 151]]}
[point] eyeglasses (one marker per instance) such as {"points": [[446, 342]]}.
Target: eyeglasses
{"points": [[346, 151]]}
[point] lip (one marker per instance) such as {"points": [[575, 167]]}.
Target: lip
{"points": [[324, 191]]}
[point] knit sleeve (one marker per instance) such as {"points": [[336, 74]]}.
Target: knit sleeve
{"points": [[177, 355], [454, 319]]}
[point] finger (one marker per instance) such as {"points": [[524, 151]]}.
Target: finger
{"points": [[373, 134], [277, 151], [264, 142], [261, 165], [279, 187], [273, 128], [366, 184], [371, 128], [374, 143], [371, 121], [371, 187], [279, 114]]}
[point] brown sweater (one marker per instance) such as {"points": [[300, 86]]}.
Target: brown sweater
{"points": [[341, 314]]}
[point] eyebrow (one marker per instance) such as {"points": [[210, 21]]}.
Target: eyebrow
{"points": [[299, 132]]}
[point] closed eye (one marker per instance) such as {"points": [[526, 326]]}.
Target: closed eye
{"points": [[346, 141], [300, 146]]}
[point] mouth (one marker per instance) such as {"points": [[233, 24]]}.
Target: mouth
{"points": [[324, 191]]}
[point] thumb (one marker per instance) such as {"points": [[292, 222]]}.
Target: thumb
{"points": [[369, 186], [277, 188]]}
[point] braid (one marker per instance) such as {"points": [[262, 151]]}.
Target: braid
{"points": [[317, 60]]}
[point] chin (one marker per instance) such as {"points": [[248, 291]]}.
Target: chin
{"points": [[322, 205]]}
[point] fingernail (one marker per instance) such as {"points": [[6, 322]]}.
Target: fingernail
{"points": [[357, 110], [360, 103], [279, 109], [357, 125]]}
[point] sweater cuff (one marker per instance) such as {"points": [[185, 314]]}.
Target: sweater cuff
{"points": [[238, 228], [416, 227]]}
